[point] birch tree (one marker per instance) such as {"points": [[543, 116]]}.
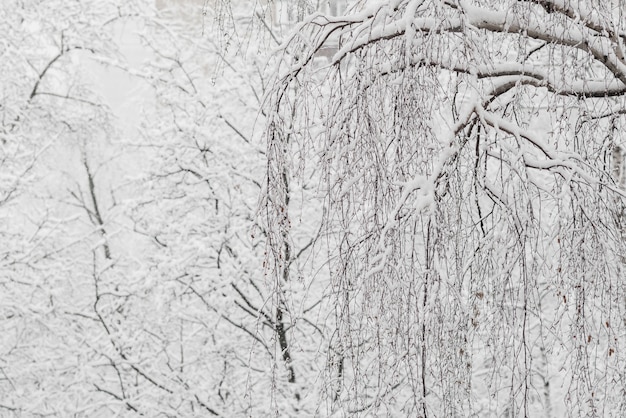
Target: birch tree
{"points": [[472, 160]]}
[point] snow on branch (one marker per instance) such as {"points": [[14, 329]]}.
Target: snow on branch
{"points": [[603, 45]]}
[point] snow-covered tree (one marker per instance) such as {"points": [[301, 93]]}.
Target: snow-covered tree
{"points": [[55, 214], [471, 157], [253, 342], [132, 264]]}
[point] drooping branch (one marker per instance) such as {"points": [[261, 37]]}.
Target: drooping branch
{"points": [[466, 18], [466, 185], [505, 76]]}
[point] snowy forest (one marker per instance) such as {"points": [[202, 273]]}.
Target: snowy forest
{"points": [[312, 208]]}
